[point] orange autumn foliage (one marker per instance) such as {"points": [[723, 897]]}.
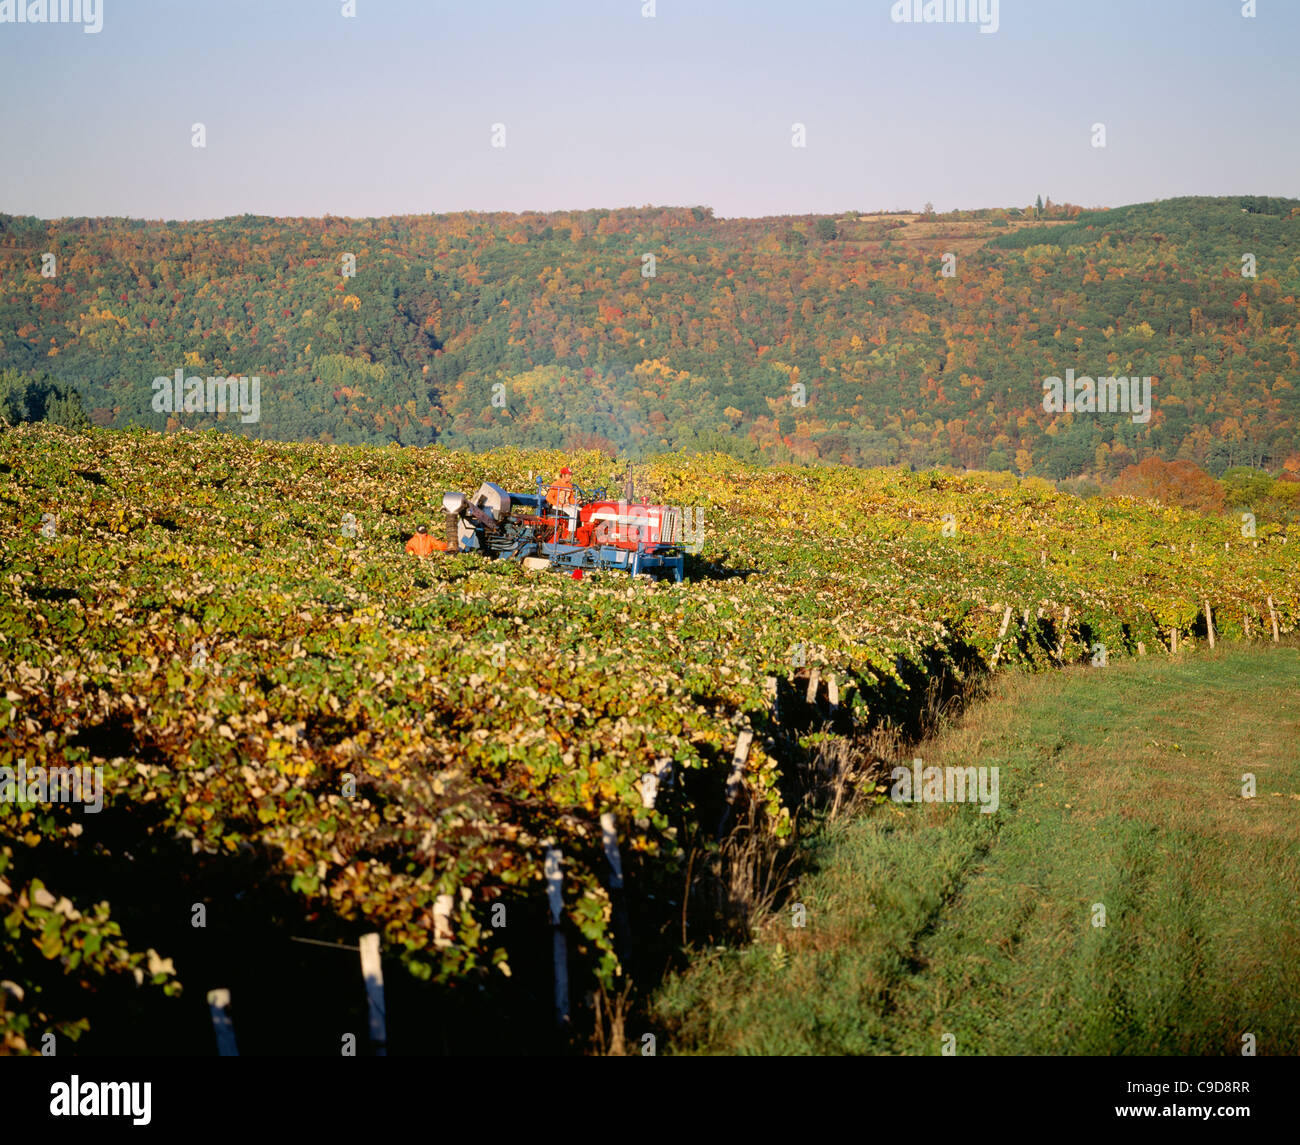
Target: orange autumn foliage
{"points": [[1178, 483]]}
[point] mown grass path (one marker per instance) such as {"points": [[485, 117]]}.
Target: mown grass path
{"points": [[1119, 786]]}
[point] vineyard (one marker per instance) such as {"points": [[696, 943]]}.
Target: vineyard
{"points": [[292, 712]]}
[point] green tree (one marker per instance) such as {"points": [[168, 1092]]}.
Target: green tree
{"points": [[40, 398]]}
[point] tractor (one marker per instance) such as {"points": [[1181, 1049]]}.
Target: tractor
{"points": [[591, 532]]}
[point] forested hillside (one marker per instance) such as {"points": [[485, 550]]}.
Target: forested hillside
{"points": [[643, 330]]}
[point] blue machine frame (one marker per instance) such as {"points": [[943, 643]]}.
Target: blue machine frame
{"points": [[631, 561]]}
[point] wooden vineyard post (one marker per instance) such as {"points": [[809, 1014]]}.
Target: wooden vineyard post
{"points": [[997, 648], [219, 1008], [609, 837], [772, 694], [442, 931], [622, 928], [771, 691], [1209, 622], [649, 784], [1065, 629], [555, 897], [1173, 642], [1245, 623], [373, 971], [737, 773], [814, 682], [1273, 618], [833, 694]]}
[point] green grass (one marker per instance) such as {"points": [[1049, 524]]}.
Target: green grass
{"points": [[1120, 786]]}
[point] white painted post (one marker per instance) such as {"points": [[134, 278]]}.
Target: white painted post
{"points": [[373, 971], [648, 785], [443, 935], [743, 741], [609, 835], [219, 1008], [997, 648], [555, 896], [1065, 631], [618, 901], [664, 770]]}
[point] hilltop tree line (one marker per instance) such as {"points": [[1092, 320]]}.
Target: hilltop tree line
{"points": [[645, 330]]}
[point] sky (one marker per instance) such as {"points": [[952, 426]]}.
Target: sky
{"points": [[308, 111]]}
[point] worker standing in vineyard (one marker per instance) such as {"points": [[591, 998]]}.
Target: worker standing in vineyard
{"points": [[423, 545]]}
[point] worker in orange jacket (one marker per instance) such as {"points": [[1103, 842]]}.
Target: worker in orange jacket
{"points": [[562, 496], [423, 545], [561, 493]]}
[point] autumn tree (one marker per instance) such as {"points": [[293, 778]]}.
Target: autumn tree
{"points": [[1179, 483]]}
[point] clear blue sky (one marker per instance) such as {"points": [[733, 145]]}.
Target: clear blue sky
{"points": [[308, 112]]}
